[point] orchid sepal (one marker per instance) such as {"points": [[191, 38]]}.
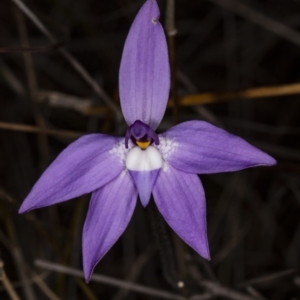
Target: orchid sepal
{"points": [[144, 77]]}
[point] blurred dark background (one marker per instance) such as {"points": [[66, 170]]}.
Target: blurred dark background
{"points": [[224, 52]]}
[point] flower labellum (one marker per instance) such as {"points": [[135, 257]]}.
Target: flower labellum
{"points": [[117, 170]]}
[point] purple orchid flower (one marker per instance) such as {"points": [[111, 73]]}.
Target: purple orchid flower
{"points": [[117, 170]]}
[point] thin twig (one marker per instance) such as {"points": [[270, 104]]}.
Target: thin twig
{"points": [[135, 271], [205, 296], [33, 88], [171, 32], [86, 76], [31, 218], [13, 81], [254, 293], [260, 92], [12, 245], [18, 284], [108, 280], [192, 89], [216, 288], [35, 129], [260, 19], [7, 284], [37, 279], [270, 277], [43, 286], [57, 99], [219, 290], [30, 49], [70, 58], [84, 106], [20, 266]]}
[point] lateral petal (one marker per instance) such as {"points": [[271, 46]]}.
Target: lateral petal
{"points": [[109, 213], [199, 147], [180, 199], [84, 166], [144, 76]]}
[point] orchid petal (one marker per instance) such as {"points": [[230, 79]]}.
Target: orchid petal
{"points": [[144, 182], [85, 165], [199, 147], [180, 199], [144, 77], [110, 211]]}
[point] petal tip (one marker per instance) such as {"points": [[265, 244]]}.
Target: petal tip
{"points": [[272, 161], [29, 204], [88, 266], [145, 199], [268, 160], [152, 8], [87, 275], [23, 208], [202, 249], [206, 256]]}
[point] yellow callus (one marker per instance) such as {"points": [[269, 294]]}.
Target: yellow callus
{"points": [[143, 144]]}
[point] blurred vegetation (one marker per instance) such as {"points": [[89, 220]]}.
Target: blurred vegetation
{"points": [[228, 49]]}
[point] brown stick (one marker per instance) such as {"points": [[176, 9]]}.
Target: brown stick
{"points": [[35, 129], [261, 92], [83, 105], [7, 284], [108, 280]]}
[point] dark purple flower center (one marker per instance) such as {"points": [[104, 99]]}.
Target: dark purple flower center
{"points": [[141, 134]]}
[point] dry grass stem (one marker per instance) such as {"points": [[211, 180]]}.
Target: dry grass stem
{"points": [[34, 129], [107, 280]]}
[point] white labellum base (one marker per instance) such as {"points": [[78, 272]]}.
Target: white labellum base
{"points": [[143, 160], [144, 167]]}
